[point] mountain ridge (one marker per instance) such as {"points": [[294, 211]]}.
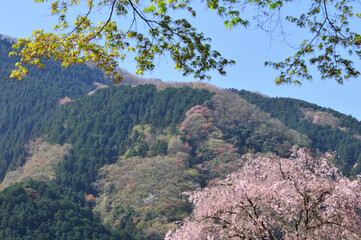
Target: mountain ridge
{"points": [[136, 146]]}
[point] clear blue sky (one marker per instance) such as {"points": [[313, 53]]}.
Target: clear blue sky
{"points": [[249, 48]]}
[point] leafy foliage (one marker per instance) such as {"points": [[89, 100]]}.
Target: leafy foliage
{"points": [[329, 22], [189, 49]]}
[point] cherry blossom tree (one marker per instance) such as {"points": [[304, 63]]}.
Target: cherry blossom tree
{"points": [[277, 198]]}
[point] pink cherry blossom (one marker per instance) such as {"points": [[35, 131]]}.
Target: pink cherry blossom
{"points": [[276, 198]]}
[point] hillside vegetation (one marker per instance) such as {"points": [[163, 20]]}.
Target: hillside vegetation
{"points": [[113, 160], [40, 164], [327, 129]]}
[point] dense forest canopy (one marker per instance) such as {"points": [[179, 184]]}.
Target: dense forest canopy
{"points": [[328, 130], [121, 155], [332, 46], [38, 210]]}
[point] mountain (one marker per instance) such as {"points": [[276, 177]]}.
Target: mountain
{"points": [[327, 129], [83, 158]]}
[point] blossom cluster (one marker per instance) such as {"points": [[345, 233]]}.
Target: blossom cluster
{"points": [[300, 197]]}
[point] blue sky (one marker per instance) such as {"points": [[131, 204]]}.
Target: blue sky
{"points": [[249, 48]]}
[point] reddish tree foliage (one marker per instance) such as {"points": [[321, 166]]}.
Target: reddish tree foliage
{"points": [[204, 111], [64, 100], [90, 198], [195, 126]]}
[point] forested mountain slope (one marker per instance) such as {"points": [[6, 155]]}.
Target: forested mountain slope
{"points": [[328, 130], [24, 104], [115, 161]]}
